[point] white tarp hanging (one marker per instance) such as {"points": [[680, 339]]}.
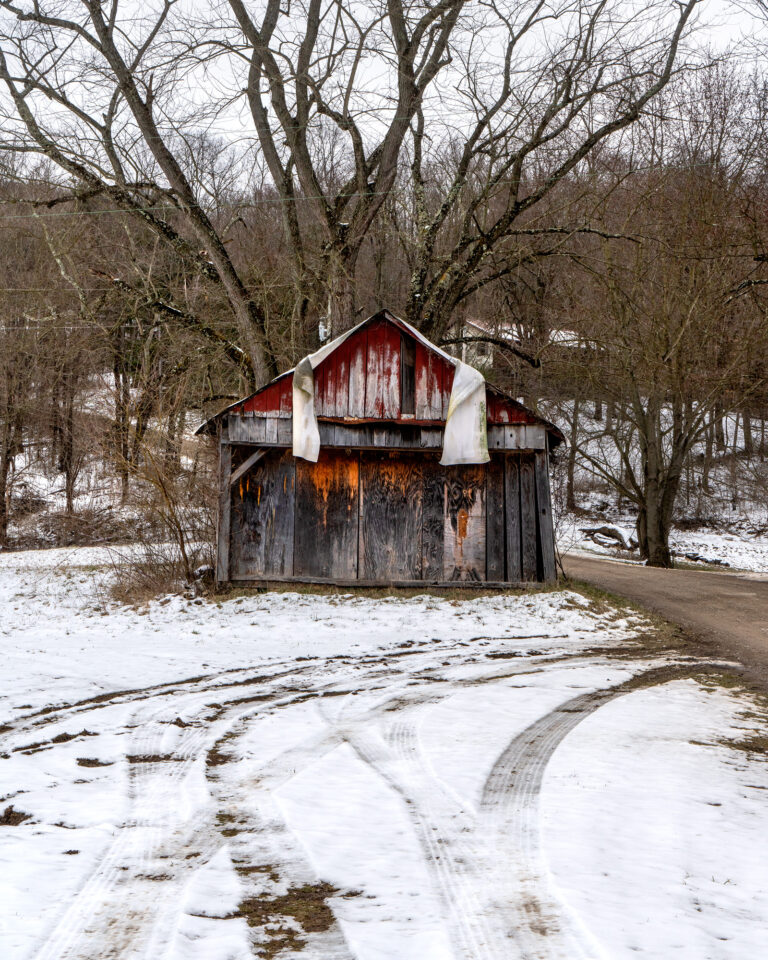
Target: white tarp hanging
{"points": [[306, 433], [465, 439]]}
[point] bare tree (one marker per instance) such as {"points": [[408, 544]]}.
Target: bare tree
{"points": [[676, 320], [335, 91]]}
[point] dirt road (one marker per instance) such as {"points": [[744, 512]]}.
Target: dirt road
{"points": [[728, 611]]}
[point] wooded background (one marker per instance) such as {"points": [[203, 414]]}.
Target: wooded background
{"points": [[193, 195]]}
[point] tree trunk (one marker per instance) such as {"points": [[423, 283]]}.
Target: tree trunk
{"points": [[68, 452], [598, 411], [652, 532], [708, 447], [717, 417], [570, 497], [749, 442]]}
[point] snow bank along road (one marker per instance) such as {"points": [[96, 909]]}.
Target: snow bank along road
{"points": [[729, 609], [282, 775]]}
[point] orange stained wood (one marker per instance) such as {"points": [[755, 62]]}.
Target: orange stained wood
{"points": [[334, 478], [461, 532], [396, 473]]}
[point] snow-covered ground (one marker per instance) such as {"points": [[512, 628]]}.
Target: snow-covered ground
{"points": [[735, 548], [497, 778]]}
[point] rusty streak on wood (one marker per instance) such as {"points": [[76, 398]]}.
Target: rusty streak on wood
{"points": [[326, 516], [263, 519], [464, 523]]}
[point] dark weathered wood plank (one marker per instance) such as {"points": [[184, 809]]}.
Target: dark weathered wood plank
{"points": [[263, 518], [246, 465], [431, 438], [432, 526], [464, 523], [327, 433], [252, 430], [407, 376], [494, 520], [326, 516], [528, 517], [285, 431], [391, 505], [512, 516], [544, 509], [225, 501], [496, 438]]}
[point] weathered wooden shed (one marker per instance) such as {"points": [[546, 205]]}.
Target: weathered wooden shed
{"points": [[378, 507]]}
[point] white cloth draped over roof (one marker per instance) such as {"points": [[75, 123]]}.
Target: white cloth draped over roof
{"points": [[465, 439]]}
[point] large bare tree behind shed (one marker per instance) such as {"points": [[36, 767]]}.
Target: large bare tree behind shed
{"points": [[332, 105]]}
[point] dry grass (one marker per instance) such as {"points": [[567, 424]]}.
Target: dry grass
{"points": [[306, 906], [12, 817]]}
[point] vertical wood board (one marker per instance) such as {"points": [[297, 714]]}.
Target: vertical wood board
{"points": [[428, 384], [528, 517], [326, 517], [495, 568], [512, 517], [464, 523], [433, 527], [382, 385], [224, 515], [263, 519], [358, 353], [391, 517], [286, 396], [544, 508]]}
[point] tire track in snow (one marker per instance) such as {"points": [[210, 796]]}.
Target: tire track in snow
{"points": [[154, 838], [533, 918]]}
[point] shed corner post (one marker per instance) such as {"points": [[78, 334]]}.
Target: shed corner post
{"points": [[225, 505], [545, 518]]}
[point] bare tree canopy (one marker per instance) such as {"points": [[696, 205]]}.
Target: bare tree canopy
{"points": [[182, 117]]}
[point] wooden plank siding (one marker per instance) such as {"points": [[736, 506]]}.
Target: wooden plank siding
{"points": [[225, 501], [547, 570], [378, 506], [263, 519], [528, 518], [410, 434], [464, 523], [494, 528], [363, 380], [390, 518], [387, 517], [514, 565], [326, 516]]}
